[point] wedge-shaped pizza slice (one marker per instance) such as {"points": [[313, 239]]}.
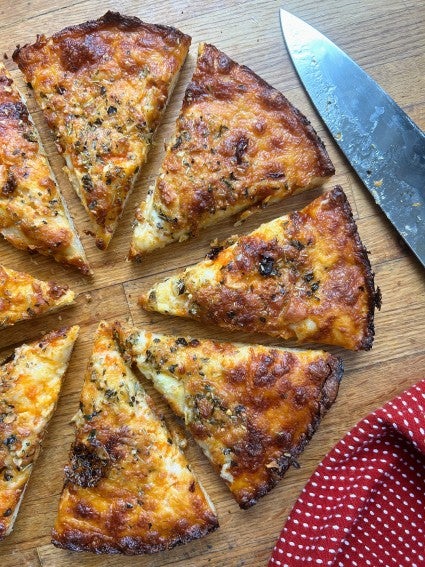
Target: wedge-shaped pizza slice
{"points": [[103, 86], [29, 388], [238, 143], [33, 215], [23, 297], [128, 486], [305, 277], [252, 409]]}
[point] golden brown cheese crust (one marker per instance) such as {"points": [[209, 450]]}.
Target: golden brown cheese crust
{"points": [[238, 142], [29, 388], [128, 487], [251, 408], [33, 216], [24, 297], [103, 86], [305, 276]]}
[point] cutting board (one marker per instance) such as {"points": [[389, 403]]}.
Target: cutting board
{"points": [[387, 39]]}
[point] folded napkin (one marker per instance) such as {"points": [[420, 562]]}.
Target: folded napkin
{"points": [[365, 503]]}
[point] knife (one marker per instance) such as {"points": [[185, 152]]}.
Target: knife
{"points": [[384, 146]]}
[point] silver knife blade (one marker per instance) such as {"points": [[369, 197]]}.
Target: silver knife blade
{"points": [[384, 146]]}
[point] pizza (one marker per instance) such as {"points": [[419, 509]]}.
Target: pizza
{"points": [[128, 487], [304, 277], [103, 86], [251, 408], [238, 143], [23, 297], [29, 388], [33, 215]]}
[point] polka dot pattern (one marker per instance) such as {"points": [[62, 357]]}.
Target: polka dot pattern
{"points": [[365, 503]]}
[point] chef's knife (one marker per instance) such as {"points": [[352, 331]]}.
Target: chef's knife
{"points": [[384, 146]]}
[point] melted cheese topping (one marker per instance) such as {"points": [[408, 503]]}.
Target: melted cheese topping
{"points": [[33, 215], [238, 143], [304, 276], [24, 297], [128, 487], [252, 409], [103, 87], [29, 389]]}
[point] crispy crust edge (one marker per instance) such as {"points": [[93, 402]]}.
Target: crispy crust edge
{"points": [[374, 294], [57, 334], [78, 541], [325, 165], [329, 393], [107, 21]]}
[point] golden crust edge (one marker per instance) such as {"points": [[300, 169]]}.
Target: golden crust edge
{"points": [[109, 20]]}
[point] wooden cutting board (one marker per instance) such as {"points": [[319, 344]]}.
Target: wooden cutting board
{"points": [[387, 39]]}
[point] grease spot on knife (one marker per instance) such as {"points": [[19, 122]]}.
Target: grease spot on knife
{"points": [[379, 111]]}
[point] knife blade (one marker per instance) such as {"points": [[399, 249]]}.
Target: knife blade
{"points": [[383, 145]]}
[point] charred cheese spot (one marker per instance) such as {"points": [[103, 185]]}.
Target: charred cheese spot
{"points": [[238, 143], [33, 215], [305, 277], [128, 488], [103, 86], [251, 409], [74, 53], [86, 467]]}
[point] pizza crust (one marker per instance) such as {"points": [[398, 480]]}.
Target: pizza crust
{"points": [[303, 277], [251, 408], [33, 214], [29, 388], [103, 86], [238, 144], [23, 297], [128, 487]]}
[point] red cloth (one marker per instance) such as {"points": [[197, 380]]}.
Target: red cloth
{"points": [[364, 504]]}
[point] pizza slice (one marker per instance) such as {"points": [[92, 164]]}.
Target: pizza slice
{"points": [[238, 143], [304, 276], [33, 214], [128, 487], [252, 409], [103, 86], [29, 388], [23, 297]]}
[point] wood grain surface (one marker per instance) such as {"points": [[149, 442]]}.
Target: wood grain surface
{"points": [[387, 38]]}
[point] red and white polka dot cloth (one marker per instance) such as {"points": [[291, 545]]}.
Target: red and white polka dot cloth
{"points": [[364, 504]]}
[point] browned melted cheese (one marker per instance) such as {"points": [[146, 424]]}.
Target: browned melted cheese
{"points": [[128, 487], [304, 276], [29, 389], [252, 409], [33, 215], [103, 86], [238, 142], [24, 297]]}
